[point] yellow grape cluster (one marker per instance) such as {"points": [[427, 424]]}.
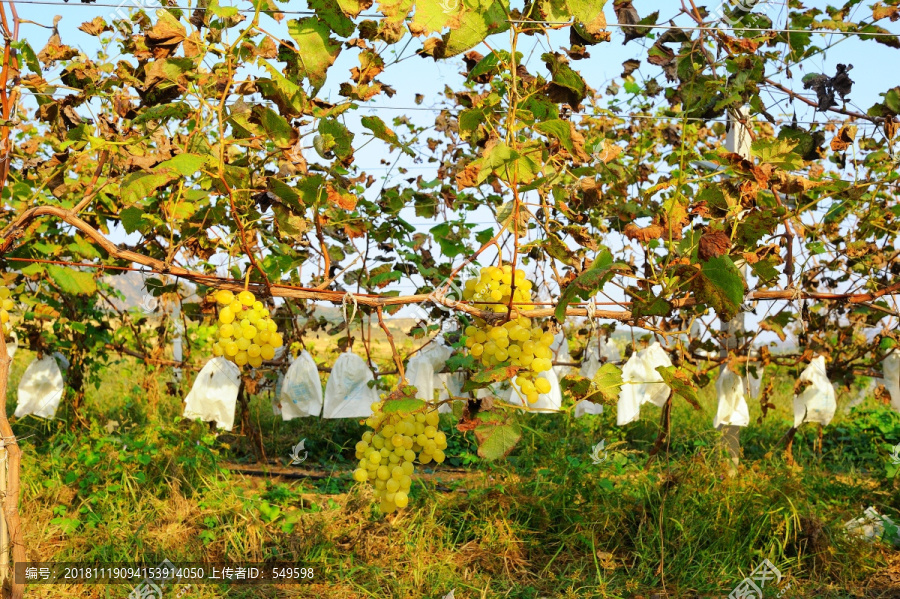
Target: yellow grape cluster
{"points": [[387, 453], [494, 286], [6, 305], [247, 334], [516, 341]]}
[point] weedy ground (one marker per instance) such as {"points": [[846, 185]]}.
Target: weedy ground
{"points": [[140, 484]]}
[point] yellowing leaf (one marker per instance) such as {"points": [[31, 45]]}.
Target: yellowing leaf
{"points": [[316, 50]]}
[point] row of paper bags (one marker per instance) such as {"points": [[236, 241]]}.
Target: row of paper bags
{"points": [[642, 383], [348, 395]]}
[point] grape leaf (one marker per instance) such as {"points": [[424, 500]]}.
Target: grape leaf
{"points": [[76, 282], [681, 383], [496, 441], [484, 378], [316, 50], [720, 286], [607, 382], [589, 282], [402, 405]]}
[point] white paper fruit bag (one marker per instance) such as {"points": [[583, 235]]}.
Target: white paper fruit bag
{"points": [[301, 390], [816, 403], [214, 394], [642, 383], [347, 394], [40, 389]]}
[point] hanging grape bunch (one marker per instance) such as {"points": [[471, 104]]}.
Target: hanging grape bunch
{"points": [[388, 452], [516, 341], [247, 334], [6, 306]]}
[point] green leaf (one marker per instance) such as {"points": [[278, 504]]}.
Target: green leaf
{"points": [[141, 184], [506, 212], [290, 224], [285, 193], [508, 164], [67, 525], [382, 132], [287, 95], [184, 165], [69, 280], [131, 218], [778, 323], [385, 278], [163, 112], [892, 99], [607, 381], [680, 382], [269, 124], [474, 20], [269, 512], [488, 64], [403, 405], [589, 282], [577, 387], [484, 236], [335, 138], [560, 130], [484, 378], [28, 56], [337, 14], [496, 441], [432, 16], [720, 286], [316, 50], [567, 86], [778, 152], [588, 14]]}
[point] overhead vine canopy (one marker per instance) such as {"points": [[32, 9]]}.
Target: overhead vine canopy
{"points": [[195, 140]]}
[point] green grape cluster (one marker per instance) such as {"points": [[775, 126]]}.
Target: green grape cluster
{"points": [[6, 306], [247, 334], [388, 452], [516, 342], [493, 288]]}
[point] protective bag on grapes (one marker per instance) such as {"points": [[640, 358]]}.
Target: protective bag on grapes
{"points": [[347, 394], [642, 383], [585, 407], [301, 391], [551, 400], [214, 394], [590, 364], [891, 379], [276, 394], [733, 410], [753, 382], [560, 350], [421, 368], [12, 344], [816, 403], [598, 352], [40, 389], [609, 351]]}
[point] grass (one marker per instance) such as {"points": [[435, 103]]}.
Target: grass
{"points": [[546, 522]]}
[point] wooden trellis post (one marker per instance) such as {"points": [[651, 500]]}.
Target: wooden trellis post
{"points": [[10, 458], [738, 141]]}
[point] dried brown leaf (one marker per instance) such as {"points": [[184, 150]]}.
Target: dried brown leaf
{"points": [[645, 234], [713, 244]]}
